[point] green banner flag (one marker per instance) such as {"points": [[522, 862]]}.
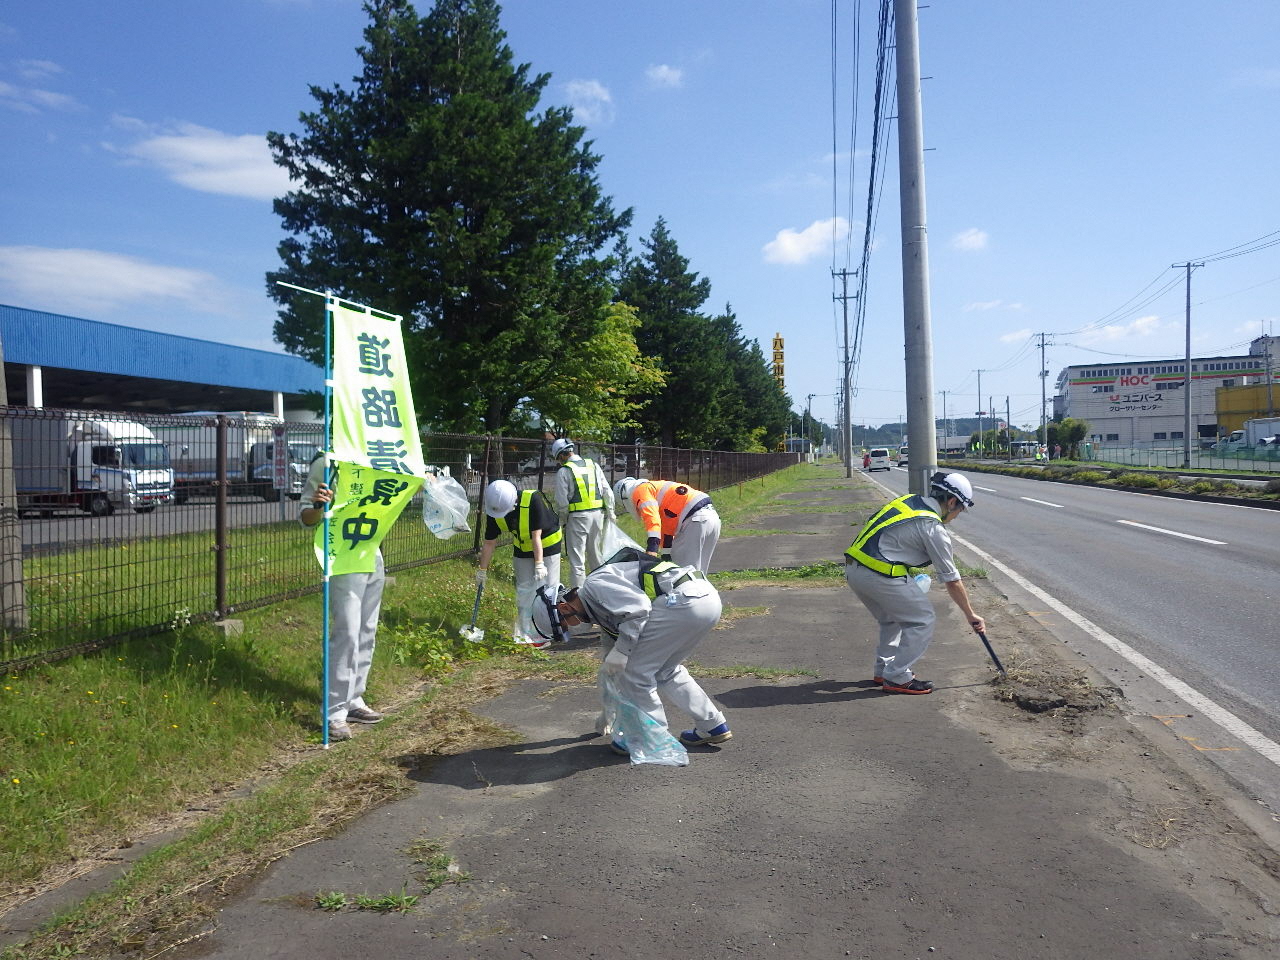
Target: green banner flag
{"points": [[377, 452]]}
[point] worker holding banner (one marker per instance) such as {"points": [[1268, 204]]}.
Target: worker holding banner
{"points": [[373, 470]]}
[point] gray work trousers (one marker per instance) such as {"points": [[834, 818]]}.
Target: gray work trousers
{"points": [[354, 602], [905, 616], [527, 585], [654, 667], [582, 529], [695, 540]]}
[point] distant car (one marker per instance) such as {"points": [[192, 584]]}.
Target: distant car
{"points": [[530, 465], [878, 459], [902, 457]]}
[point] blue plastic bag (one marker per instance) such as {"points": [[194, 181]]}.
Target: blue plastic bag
{"points": [[645, 739]]}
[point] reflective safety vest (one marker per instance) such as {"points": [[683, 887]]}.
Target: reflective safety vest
{"points": [[586, 493], [522, 534], [651, 569], [865, 548], [664, 504]]}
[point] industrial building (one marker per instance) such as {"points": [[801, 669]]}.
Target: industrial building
{"points": [[1139, 402], [51, 360]]}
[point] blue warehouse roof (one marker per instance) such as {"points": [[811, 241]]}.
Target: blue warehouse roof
{"points": [[52, 340]]}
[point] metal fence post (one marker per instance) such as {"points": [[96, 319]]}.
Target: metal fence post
{"points": [[221, 527]]}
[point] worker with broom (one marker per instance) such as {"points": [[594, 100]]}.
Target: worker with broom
{"points": [[909, 532]]}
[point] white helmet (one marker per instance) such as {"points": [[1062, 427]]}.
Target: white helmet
{"points": [[499, 498], [622, 491], [563, 445], [545, 613], [953, 485]]}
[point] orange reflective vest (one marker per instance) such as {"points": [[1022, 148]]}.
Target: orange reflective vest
{"points": [[662, 506]]}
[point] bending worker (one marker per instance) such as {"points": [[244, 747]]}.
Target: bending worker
{"points": [[654, 612], [678, 520], [909, 532], [535, 532], [583, 500]]}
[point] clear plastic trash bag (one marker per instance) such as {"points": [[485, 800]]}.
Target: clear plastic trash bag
{"points": [[612, 539], [445, 507], [646, 739]]}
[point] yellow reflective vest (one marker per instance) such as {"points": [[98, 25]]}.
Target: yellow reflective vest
{"points": [[586, 491], [865, 548], [522, 535]]}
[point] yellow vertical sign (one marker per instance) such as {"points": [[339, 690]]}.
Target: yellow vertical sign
{"points": [[377, 451]]}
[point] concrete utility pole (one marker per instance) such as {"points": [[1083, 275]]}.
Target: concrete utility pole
{"points": [[946, 425], [846, 424], [1186, 382], [979, 412], [915, 251], [1044, 380]]}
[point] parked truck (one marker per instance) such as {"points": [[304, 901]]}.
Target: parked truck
{"points": [[252, 469], [98, 466], [1251, 434]]}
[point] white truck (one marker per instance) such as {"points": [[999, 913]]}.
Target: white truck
{"points": [[93, 465], [1253, 432], [252, 469]]}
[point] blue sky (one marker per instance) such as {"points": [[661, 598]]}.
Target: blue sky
{"points": [[1076, 151]]}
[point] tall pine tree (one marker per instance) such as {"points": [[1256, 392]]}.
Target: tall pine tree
{"points": [[433, 188]]}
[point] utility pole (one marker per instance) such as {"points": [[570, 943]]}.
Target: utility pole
{"points": [[1186, 382], [946, 425], [808, 405], [13, 589], [1044, 380], [915, 250], [1008, 429], [846, 424], [979, 411]]}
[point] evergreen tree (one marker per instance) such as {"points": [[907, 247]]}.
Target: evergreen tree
{"points": [[435, 190], [753, 409]]}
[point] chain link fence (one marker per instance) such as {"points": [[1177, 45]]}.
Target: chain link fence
{"points": [[118, 525]]}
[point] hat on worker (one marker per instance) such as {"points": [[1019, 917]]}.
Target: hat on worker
{"points": [[563, 445], [546, 613], [953, 485], [499, 498], [622, 491]]}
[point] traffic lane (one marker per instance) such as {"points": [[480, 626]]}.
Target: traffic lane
{"points": [[1167, 602], [44, 534]]}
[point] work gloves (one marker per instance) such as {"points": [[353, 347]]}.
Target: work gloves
{"points": [[653, 544], [481, 576], [540, 571]]}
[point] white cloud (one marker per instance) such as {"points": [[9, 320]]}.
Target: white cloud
{"points": [[592, 105], [662, 76], [983, 305], [88, 282], [38, 69], [35, 100], [1141, 327], [212, 161], [971, 239], [1015, 335], [792, 246]]}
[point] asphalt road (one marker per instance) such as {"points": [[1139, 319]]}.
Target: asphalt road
{"points": [[1191, 585]]}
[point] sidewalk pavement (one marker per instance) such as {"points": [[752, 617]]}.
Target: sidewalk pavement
{"points": [[839, 821]]}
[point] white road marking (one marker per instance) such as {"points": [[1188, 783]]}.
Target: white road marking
{"points": [[1172, 533], [984, 489], [1224, 718], [1046, 503]]}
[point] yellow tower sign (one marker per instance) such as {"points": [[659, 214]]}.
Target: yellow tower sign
{"points": [[777, 361]]}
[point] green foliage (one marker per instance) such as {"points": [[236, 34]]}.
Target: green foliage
{"points": [[333, 900], [435, 189], [719, 391], [1088, 476]]}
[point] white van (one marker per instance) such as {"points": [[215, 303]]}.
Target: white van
{"points": [[878, 459]]}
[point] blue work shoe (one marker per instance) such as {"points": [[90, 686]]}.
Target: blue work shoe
{"points": [[620, 748], [691, 738]]}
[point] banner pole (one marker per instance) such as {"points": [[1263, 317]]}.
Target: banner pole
{"points": [[328, 480]]}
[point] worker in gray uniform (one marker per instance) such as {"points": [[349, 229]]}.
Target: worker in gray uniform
{"points": [[654, 613], [909, 532], [584, 501]]}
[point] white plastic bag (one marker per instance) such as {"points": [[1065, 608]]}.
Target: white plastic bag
{"points": [[612, 539], [645, 739], [445, 507]]}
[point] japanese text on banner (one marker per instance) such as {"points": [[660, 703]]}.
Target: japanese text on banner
{"points": [[376, 446]]}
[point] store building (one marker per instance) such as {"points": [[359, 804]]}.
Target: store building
{"points": [[1142, 402]]}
